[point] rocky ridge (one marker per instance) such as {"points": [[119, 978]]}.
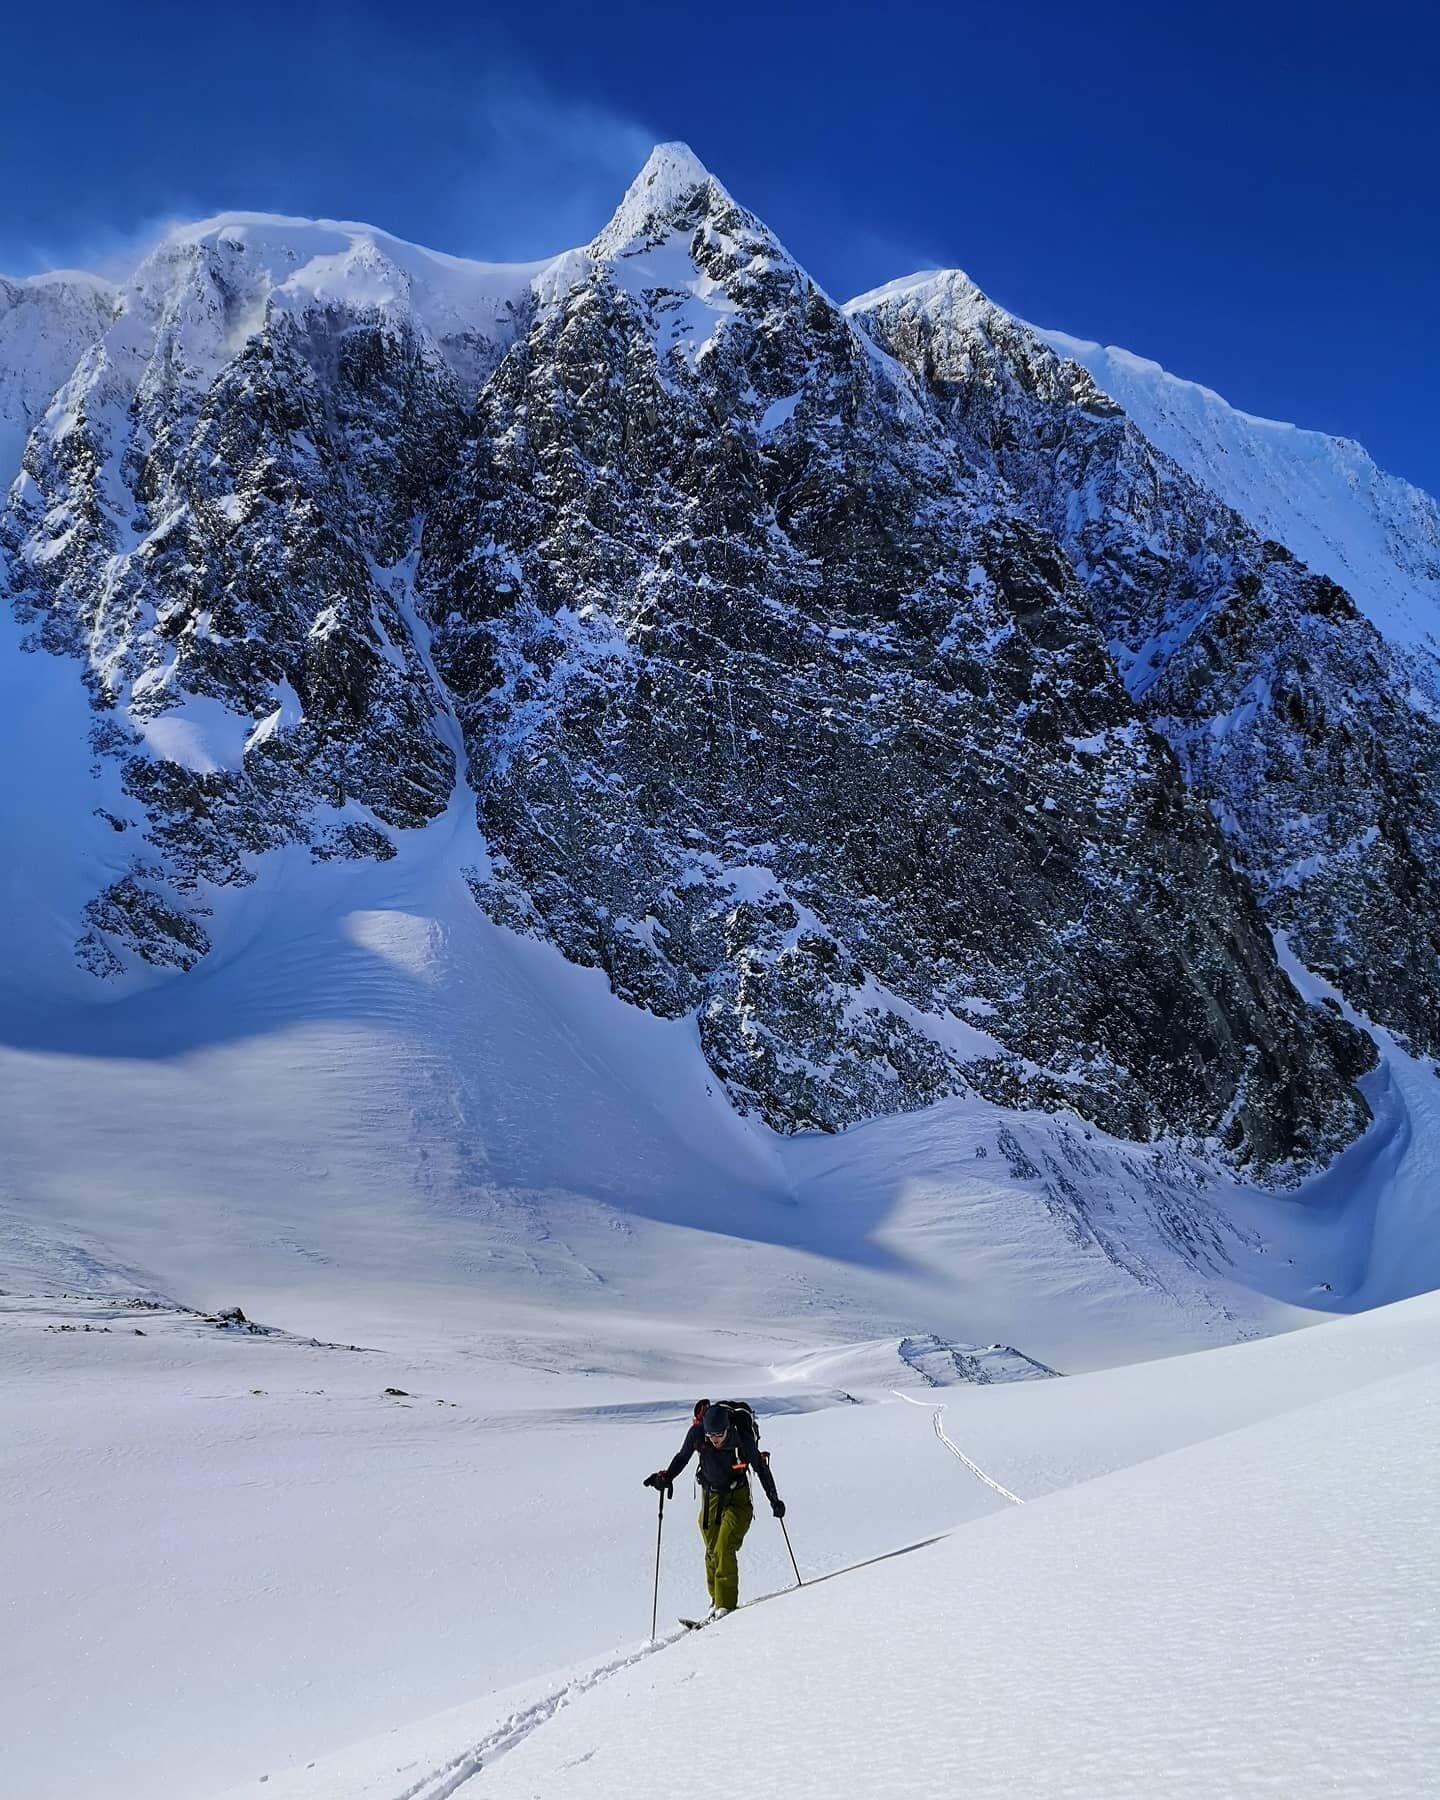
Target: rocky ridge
{"points": [[1293, 717], [1321, 496]]}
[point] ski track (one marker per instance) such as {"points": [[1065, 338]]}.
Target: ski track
{"points": [[955, 1450], [440, 1784]]}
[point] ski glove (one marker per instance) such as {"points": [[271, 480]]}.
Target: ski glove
{"points": [[659, 1480], [778, 1508]]}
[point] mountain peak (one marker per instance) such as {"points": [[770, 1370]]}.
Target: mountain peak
{"points": [[675, 164], [672, 175], [945, 288]]}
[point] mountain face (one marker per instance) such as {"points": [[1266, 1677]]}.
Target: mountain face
{"points": [[1312, 738], [47, 324], [1320, 496], [862, 683]]}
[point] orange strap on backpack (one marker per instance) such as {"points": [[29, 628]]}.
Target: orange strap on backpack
{"points": [[739, 1467]]}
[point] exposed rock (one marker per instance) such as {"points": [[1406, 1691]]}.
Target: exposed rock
{"points": [[1290, 714]]}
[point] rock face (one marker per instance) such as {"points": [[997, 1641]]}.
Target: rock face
{"points": [[848, 683], [199, 522], [1308, 734]]}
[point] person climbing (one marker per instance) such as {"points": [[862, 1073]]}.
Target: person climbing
{"points": [[724, 1436]]}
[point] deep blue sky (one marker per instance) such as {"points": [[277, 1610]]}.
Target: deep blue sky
{"points": [[1247, 191]]}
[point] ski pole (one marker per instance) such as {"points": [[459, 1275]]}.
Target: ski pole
{"points": [[793, 1564], [659, 1527]]}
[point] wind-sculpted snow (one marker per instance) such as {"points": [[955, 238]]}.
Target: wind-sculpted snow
{"points": [[770, 698]]}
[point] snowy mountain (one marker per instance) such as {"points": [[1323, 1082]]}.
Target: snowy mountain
{"points": [[797, 727], [47, 325], [584, 833]]}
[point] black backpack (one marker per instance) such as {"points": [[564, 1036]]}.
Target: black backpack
{"points": [[742, 1414]]}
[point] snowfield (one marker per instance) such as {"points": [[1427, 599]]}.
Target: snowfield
{"points": [[1252, 1612], [1199, 1625], [291, 1557], [432, 1157]]}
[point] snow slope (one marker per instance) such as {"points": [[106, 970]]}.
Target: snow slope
{"points": [[372, 1099], [1236, 1595], [372, 1095], [378, 1121], [375, 1119], [517, 1199], [1323, 497]]}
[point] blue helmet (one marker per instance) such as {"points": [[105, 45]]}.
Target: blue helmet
{"points": [[716, 1421]]}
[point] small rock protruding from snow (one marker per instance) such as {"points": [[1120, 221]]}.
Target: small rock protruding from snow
{"points": [[940, 1363]]}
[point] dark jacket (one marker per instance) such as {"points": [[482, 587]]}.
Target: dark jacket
{"points": [[723, 1469]]}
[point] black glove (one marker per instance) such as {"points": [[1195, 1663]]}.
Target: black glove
{"points": [[661, 1482], [778, 1508]]}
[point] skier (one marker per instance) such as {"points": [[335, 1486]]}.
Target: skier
{"points": [[725, 1440]]}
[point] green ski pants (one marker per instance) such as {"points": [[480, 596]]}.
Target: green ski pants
{"points": [[724, 1520]]}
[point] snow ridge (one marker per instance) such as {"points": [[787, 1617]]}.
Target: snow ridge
{"points": [[1291, 710], [937, 1415], [1321, 496], [47, 324]]}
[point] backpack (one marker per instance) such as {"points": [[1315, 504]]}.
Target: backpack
{"points": [[742, 1414]]}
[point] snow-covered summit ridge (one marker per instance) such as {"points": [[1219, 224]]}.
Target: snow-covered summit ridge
{"points": [[62, 278], [1323, 497], [47, 323], [236, 269], [952, 283], [342, 259], [1083, 350], [316, 253], [258, 263]]}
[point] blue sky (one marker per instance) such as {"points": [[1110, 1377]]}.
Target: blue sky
{"points": [[1246, 192]]}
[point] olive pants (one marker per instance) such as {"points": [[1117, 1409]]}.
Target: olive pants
{"points": [[724, 1520]]}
